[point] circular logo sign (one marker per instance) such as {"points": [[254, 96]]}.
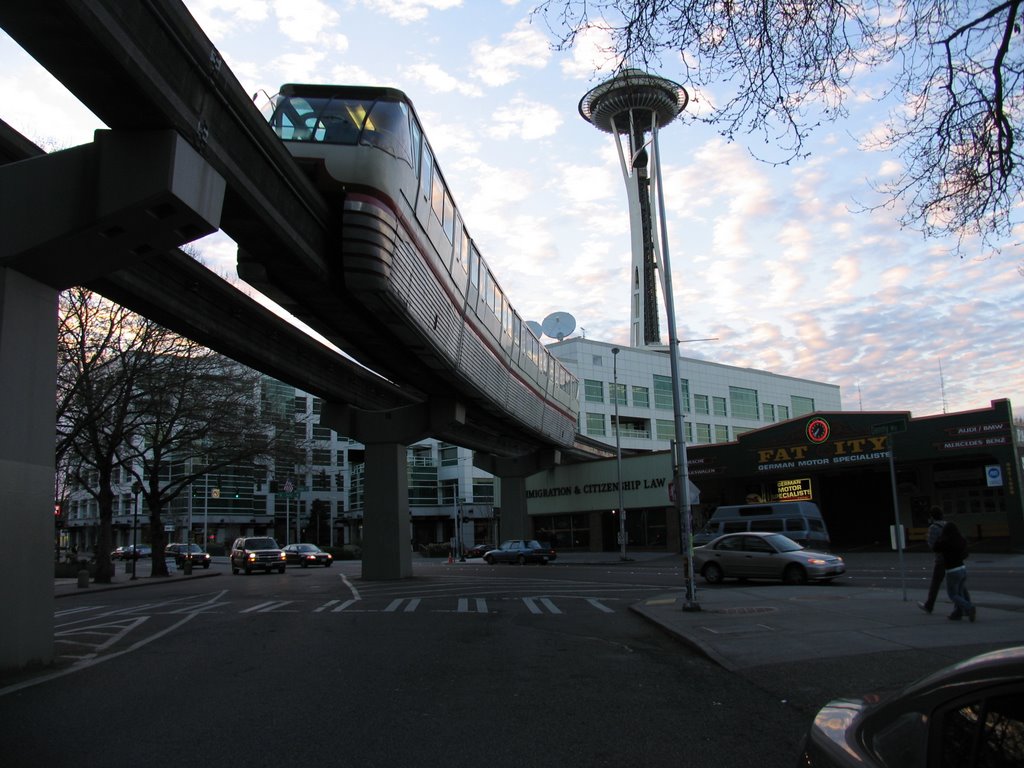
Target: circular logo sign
{"points": [[818, 430]]}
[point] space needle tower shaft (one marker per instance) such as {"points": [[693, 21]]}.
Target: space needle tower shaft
{"points": [[632, 106]]}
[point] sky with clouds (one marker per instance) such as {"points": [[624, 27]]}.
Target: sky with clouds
{"points": [[784, 265]]}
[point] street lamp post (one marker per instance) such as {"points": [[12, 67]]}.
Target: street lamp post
{"points": [[136, 489], [618, 454]]}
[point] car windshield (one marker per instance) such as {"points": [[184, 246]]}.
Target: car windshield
{"points": [[782, 543], [261, 544], [306, 548]]}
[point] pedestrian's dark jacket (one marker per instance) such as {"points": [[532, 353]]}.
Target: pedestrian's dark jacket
{"points": [[952, 546]]}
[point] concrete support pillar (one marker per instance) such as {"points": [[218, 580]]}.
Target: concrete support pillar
{"points": [[387, 553], [387, 550], [513, 471], [28, 343]]}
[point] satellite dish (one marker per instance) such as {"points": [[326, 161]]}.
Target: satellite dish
{"points": [[558, 325], [534, 326]]}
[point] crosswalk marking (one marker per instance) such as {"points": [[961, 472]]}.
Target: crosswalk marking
{"points": [[267, 607], [394, 605], [599, 605], [546, 602], [535, 605]]}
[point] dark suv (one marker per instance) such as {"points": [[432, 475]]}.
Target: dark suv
{"points": [[249, 552]]}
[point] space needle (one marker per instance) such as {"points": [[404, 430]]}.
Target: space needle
{"points": [[632, 106]]}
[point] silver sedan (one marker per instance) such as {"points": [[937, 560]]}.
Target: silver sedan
{"points": [[763, 556]]}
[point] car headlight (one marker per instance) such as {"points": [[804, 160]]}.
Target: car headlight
{"points": [[816, 561], [251, 556], [284, 556]]}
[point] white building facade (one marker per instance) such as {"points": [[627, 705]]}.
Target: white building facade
{"points": [[720, 402]]}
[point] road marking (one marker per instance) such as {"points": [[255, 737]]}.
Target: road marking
{"points": [[599, 605], [267, 607], [394, 605], [546, 602], [343, 606], [325, 606], [481, 605]]}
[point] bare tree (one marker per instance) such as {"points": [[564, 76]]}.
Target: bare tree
{"points": [[783, 67], [135, 398]]}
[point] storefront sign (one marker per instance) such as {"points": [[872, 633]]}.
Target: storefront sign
{"points": [[836, 453], [793, 490]]}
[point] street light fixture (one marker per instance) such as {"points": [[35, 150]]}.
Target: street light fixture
{"points": [[618, 454]]}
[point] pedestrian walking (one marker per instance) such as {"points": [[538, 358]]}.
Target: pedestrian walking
{"points": [[953, 547], [935, 525]]}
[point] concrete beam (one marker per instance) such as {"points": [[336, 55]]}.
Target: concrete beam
{"points": [[73, 216]]}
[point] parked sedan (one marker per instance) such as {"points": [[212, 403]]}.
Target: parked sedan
{"points": [[191, 551], [763, 556], [520, 551], [307, 555], [132, 552], [969, 714], [479, 550]]}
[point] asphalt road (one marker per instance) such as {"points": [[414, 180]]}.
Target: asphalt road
{"points": [[467, 665]]}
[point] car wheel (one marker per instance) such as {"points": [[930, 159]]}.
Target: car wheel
{"points": [[794, 574], [713, 573], [248, 571], [327, 564], [234, 570], [488, 559], [521, 560], [280, 569], [206, 565], [305, 565]]}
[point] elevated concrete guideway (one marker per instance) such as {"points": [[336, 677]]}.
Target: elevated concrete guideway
{"points": [[187, 154]]}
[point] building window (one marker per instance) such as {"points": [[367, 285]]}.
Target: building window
{"points": [[593, 391], [666, 430], [783, 412], [718, 406], [483, 490], [684, 389], [802, 405], [703, 434], [642, 398], [744, 403], [721, 433], [448, 455], [663, 392], [596, 424], [700, 405], [768, 411], [617, 394]]}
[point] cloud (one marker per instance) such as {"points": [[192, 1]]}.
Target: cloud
{"points": [[437, 80], [408, 11], [309, 21], [221, 18], [524, 119], [592, 56], [523, 47]]}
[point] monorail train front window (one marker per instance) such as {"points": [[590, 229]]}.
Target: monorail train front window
{"points": [[377, 123]]}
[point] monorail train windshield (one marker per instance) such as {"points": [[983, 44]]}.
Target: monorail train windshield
{"points": [[367, 116]]}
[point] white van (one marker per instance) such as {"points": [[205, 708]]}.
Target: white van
{"points": [[800, 521]]}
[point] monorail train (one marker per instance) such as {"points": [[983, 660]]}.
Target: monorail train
{"points": [[406, 255]]}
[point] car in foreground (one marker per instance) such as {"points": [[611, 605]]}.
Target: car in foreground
{"points": [[479, 550], [193, 552], [520, 551], [249, 553], [763, 556], [968, 714], [307, 555]]}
